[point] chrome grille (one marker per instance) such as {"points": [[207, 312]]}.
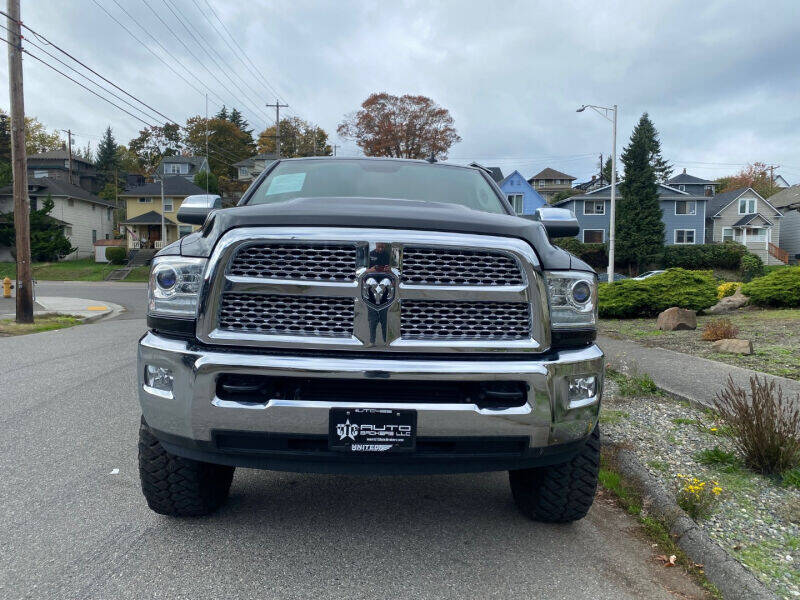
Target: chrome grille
{"points": [[287, 315], [449, 320], [446, 266], [296, 261]]}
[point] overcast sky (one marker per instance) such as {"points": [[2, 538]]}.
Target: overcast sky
{"points": [[719, 79]]}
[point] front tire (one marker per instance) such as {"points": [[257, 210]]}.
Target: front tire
{"points": [[559, 493], [177, 486]]}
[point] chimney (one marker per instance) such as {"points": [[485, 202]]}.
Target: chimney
{"points": [[684, 170], [594, 177]]}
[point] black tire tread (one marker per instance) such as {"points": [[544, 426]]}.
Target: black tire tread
{"points": [[559, 493], [176, 486]]}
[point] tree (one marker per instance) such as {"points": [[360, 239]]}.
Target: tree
{"points": [[639, 228], [756, 176], [86, 153], [237, 119], [48, 242], [402, 126], [154, 143], [6, 177], [564, 194], [38, 140], [107, 159], [606, 172], [661, 167], [213, 182], [228, 143], [298, 138], [127, 161]]}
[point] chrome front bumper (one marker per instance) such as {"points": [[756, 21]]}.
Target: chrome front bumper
{"points": [[192, 413]]}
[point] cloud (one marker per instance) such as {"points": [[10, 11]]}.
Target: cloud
{"points": [[718, 78]]}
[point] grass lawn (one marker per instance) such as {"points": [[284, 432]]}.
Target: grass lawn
{"points": [[775, 334], [10, 327], [85, 269]]}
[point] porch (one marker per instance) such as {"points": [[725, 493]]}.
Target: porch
{"points": [[145, 231], [755, 232]]}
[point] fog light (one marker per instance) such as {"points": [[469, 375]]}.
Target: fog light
{"points": [[158, 378], [582, 388]]}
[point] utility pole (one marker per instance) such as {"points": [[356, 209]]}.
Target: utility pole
{"points": [[19, 166], [612, 226], [772, 174], [277, 106], [208, 164], [69, 150], [601, 168]]}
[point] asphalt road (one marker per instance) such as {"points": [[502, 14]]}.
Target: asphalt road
{"points": [[133, 296], [74, 524]]}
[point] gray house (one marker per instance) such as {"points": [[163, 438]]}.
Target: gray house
{"points": [[787, 202], [684, 214], [249, 168], [185, 166], [743, 216]]}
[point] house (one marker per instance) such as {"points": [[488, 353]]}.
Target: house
{"points": [[523, 198], [494, 172], [694, 185], [84, 217], [548, 182], [781, 182], [185, 166], [743, 216], [597, 181], [249, 168], [56, 166], [787, 201], [142, 226], [683, 213]]}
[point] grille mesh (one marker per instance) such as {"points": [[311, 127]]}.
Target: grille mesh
{"points": [[291, 315], [296, 261], [430, 320], [440, 266]]}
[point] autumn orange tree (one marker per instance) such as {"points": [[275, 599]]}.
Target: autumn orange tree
{"points": [[401, 126], [756, 176]]}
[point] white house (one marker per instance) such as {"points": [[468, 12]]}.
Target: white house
{"points": [[85, 217]]}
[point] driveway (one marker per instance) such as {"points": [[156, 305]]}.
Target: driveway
{"points": [[74, 524]]}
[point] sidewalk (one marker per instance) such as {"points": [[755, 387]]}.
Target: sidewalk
{"points": [[690, 377], [88, 310]]}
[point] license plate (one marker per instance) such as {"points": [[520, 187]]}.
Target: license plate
{"points": [[379, 430]]}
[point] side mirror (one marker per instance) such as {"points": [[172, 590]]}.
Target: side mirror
{"points": [[558, 222], [195, 209]]}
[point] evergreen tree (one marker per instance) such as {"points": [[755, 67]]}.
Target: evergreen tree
{"points": [[661, 167], [48, 242], [639, 228], [606, 172], [5, 150], [222, 114], [107, 159], [237, 119]]}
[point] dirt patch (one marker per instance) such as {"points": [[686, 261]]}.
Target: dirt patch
{"points": [[775, 335]]}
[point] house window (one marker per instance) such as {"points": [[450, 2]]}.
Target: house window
{"points": [[243, 172], [558, 182], [541, 183], [108, 214], [684, 236], [685, 207], [145, 200], [67, 230], [747, 206], [94, 235], [516, 202], [184, 230], [70, 202], [756, 234], [39, 173], [176, 168], [593, 236], [34, 204], [167, 204], [709, 190], [108, 236], [594, 207], [727, 234], [682, 187]]}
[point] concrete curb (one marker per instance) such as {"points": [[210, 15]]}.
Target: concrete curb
{"points": [[732, 579], [76, 307]]}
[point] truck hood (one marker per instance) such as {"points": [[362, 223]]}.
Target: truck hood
{"points": [[377, 213]]}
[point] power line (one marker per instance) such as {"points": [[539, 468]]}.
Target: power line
{"points": [[205, 48], [243, 53]]}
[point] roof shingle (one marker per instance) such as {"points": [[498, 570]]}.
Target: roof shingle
{"points": [[173, 186]]}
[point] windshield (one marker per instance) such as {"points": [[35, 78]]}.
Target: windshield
{"points": [[377, 179]]}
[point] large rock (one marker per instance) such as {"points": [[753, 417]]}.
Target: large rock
{"points": [[730, 303], [733, 346], [676, 318]]}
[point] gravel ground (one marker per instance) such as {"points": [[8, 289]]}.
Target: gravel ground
{"points": [[757, 520]]}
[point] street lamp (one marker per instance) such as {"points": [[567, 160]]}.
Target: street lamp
{"points": [[604, 111]]}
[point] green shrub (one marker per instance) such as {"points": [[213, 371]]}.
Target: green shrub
{"points": [[750, 267], [595, 255], [696, 290], [704, 256], [779, 288], [116, 255]]}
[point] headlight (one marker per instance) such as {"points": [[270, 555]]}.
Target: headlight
{"points": [[175, 286], [573, 299]]}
